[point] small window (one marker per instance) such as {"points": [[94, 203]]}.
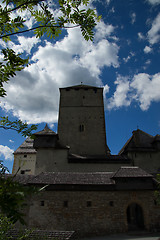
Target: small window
{"points": [[42, 203], [25, 155], [89, 204], [65, 204], [22, 172], [111, 203], [81, 128]]}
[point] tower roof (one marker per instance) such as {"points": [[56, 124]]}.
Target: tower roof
{"points": [[46, 131], [82, 86], [139, 141], [26, 147]]}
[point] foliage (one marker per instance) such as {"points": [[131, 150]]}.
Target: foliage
{"points": [[45, 23], [5, 226], [17, 125], [13, 196], [8, 231]]}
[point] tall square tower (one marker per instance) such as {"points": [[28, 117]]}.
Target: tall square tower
{"points": [[81, 124]]}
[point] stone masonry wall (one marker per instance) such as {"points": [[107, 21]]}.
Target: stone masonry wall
{"points": [[91, 212]]}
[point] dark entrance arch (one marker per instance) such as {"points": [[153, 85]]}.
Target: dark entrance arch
{"points": [[135, 217]]}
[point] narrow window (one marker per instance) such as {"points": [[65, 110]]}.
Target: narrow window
{"points": [[42, 203], [89, 204], [81, 128], [22, 172], [65, 204], [111, 203], [25, 155]]}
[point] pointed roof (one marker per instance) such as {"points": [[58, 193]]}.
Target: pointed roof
{"points": [[26, 147], [46, 131], [139, 141]]}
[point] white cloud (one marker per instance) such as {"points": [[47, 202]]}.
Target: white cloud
{"points": [[154, 2], [33, 95], [154, 32], [147, 49], [108, 1], [141, 36], [120, 97], [147, 89], [133, 18], [142, 88], [25, 44], [103, 54], [6, 152], [103, 30]]}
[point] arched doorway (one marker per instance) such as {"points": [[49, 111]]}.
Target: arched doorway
{"points": [[135, 217]]}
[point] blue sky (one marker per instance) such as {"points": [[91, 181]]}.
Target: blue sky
{"points": [[123, 58]]}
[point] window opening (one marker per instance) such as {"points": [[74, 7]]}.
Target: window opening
{"points": [[111, 203], [81, 128], [89, 204], [42, 203], [65, 204]]}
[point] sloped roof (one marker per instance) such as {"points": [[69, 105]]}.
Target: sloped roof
{"points": [[131, 172], [75, 178], [82, 86], [26, 147], [44, 234], [139, 141], [46, 131]]}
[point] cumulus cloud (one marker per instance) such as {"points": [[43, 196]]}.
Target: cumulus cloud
{"points": [[120, 97], [147, 49], [103, 30], [33, 95], [142, 88], [154, 2], [154, 32], [6, 152], [147, 89], [25, 44]]}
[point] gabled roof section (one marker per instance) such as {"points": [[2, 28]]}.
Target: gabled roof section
{"points": [[156, 138], [69, 178], [131, 172], [26, 147], [82, 86], [139, 141], [46, 131]]}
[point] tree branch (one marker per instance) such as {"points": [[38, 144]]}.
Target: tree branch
{"points": [[21, 5], [31, 29]]}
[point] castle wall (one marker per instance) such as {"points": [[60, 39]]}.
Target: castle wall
{"points": [[56, 160], [91, 212], [51, 160], [149, 161], [24, 163]]}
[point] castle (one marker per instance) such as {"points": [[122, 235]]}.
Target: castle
{"points": [[87, 189]]}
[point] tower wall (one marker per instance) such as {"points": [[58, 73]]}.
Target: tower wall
{"points": [[81, 122]]}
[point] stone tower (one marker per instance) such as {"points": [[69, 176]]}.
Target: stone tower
{"points": [[81, 124]]}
